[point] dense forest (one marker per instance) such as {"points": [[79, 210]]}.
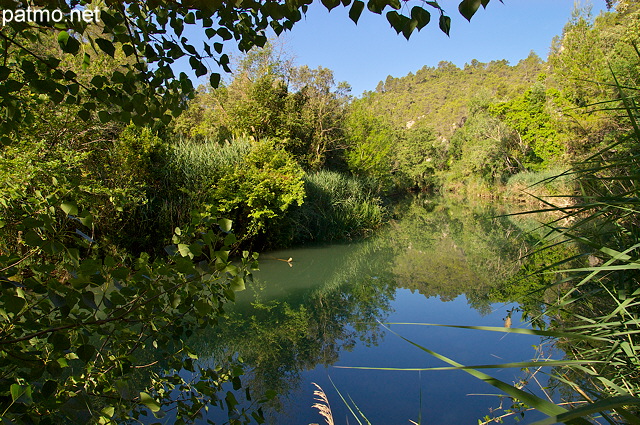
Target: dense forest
{"points": [[132, 203]]}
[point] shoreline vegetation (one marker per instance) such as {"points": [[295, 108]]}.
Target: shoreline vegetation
{"points": [[127, 196]]}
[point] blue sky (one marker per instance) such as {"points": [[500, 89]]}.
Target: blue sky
{"points": [[366, 53]]}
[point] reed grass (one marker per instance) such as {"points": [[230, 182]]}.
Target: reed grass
{"points": [[322, 404], [604, 296], [336, 207], [189, 174]]}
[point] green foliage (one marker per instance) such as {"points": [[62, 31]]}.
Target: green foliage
{"points": [[260, 188], [112, 185], [270, 98], [590, 49], [370, 140], [530, 117], [419, 155], [86, 338], [134, 157], [440, 95], [484, 150], [190, 174], [336, 207], [542, 184]]}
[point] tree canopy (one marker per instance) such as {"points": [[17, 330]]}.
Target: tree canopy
{"points": [[147, 37]]}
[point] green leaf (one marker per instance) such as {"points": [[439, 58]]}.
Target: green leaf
{"points": [[69, 208], [522, 331], [106, 46], [12, 85], [109, 411], [395, 4], [28, 68], [230, 239], [31, 238], [84, 114], [356, 10], [49, 388], [603, 405], [184, 250], [104, 116], [445, 24], [518, 365], [88, 298], [21, 393], [4, 72], [67, 43], [224, 33], [214, 80], [85, 352], [409, 26], [148, 401], [395, 19], [331, 4], [375, 6], [237, 284], [421, 16], [86, 220], [60, 342], [231, 400], [63, 37], [225, 224], [202, 307], [12, 303], [468, 8]]}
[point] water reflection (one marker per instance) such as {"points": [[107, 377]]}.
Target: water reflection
{"points": [[295, 322]]}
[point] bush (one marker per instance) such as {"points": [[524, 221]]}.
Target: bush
{"points": [[260, 188]]}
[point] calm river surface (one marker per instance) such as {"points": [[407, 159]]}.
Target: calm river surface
{"points": [[313, 319]]}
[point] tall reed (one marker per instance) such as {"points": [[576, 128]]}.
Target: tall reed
{"points": [[189, 174], [337, 206]]}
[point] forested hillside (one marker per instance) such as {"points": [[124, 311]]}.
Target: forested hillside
{"points": [[472, 129], [440, 95]]}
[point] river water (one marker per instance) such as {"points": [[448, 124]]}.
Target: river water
{"points": [[334, 308]]}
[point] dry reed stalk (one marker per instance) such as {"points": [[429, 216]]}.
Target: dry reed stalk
{"points": [[322, 404]]}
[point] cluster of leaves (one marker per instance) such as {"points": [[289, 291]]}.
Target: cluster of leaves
{"points": [[260, 188], [528, 115], [370, 139], [100, 338]]}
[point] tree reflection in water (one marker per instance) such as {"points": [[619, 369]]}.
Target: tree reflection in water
{"points": [[293, 319]]}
